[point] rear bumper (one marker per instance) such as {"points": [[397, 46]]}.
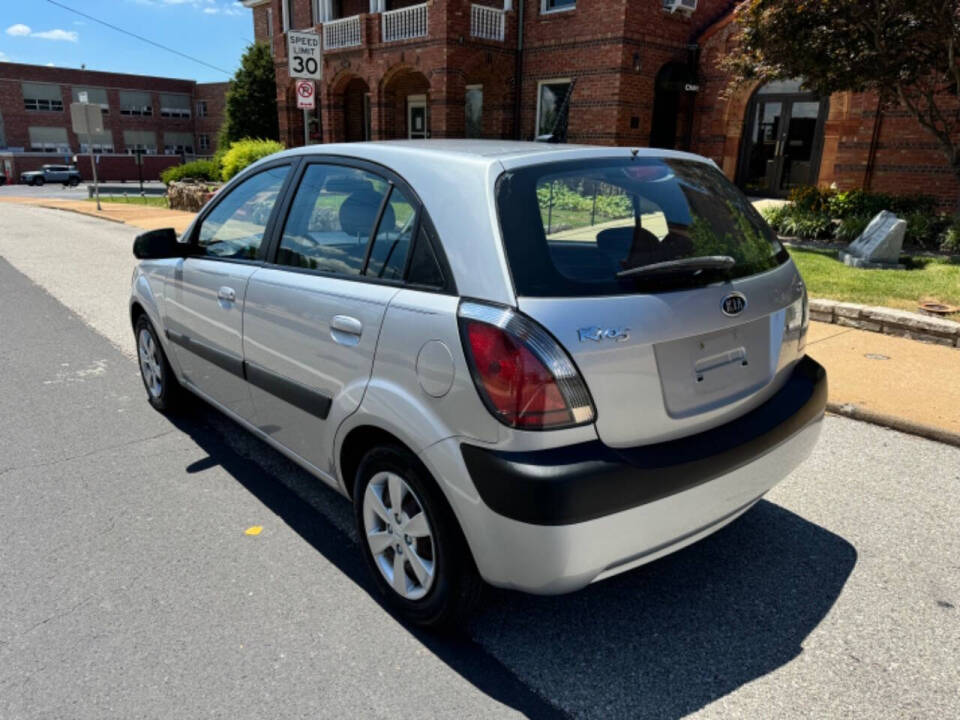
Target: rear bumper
{"points": [[554, 520]]}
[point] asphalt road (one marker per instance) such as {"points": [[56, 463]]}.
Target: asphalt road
{"points": [[129, 589]]}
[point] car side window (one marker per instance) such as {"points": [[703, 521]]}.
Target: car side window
{"points": [[424, 266], [236, 226], [388, 256], [331, 219]]}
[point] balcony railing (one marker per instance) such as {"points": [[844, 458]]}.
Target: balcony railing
{"points": [[405, 24], [342, 33], [486, 23]]}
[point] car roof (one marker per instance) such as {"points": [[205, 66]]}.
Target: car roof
{"points": [[398, 154]]}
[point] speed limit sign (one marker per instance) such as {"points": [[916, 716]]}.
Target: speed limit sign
{"points": [[305, 55]]}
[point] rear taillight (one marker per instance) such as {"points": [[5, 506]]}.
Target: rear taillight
{"points": [[523, 375]]}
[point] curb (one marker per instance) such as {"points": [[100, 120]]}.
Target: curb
{"points": [[81, 212], [887, 321], [894, 423]]}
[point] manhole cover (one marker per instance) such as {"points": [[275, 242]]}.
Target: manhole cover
{"points": [[876, 356]]}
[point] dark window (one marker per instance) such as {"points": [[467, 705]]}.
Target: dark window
{"points": [[424, 267], [570, 228], [549, 5], [553, 111], [331, 219], [388, 256], [235, 227]]}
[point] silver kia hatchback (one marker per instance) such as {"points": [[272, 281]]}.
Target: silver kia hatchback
{"points": [[526, 364]]}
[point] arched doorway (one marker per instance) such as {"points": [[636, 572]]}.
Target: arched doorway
{"points": [[405, 102], [782, 139], [672, 108]]}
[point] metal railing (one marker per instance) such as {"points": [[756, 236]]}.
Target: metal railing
{"points": [[405, 24], [342, 33], [487, 22]]}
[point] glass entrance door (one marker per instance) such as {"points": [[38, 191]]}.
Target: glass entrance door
{"points": [[783, 141]]}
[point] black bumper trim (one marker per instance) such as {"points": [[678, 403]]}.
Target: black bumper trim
{"points": [[582, 482]]}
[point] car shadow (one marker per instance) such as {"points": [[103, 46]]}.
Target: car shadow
{"points": [[661, 641]]}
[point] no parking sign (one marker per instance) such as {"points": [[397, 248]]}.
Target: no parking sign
{"points": [[306, 95]]}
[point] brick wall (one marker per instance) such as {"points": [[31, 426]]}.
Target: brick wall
{"points": [[907, 159], [215, 96], [17, 120], [111, 168]]}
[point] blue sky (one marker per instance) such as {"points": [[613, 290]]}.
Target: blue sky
{"points": [[41, 33]]}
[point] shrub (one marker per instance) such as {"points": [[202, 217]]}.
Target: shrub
{"points": [[862, 202], [776, 216], [811, 225], [244, 153], [199, 169], [924, 229], [950, 238], [809, 198], [851, 227]]}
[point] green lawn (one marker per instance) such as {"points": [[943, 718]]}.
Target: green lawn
{"points": [[926, 279], [150, 200]]}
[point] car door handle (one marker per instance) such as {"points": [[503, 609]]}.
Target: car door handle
{"points": [[346, 324], [227, 293]]}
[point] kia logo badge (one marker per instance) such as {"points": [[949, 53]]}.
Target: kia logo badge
{"points": [[734, 304]]}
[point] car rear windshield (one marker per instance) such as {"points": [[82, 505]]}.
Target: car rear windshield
{"points": [[579, 228]]}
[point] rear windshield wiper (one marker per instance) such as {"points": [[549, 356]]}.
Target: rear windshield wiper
{"points": [[692, 265]]}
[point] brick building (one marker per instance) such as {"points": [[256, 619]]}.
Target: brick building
{"points": [[595, 71], [166, 119]]}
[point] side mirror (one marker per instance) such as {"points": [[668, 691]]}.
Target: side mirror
{"points": [[159, 244]]}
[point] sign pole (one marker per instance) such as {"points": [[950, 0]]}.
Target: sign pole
{"points": [[96, 183], [87, 119], [140, 168]]}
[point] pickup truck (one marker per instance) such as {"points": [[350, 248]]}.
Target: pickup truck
{"points": [[66, 174]]}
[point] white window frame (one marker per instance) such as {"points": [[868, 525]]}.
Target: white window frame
{"points": [[203, 141], [269, 22], [545, 8], [540, 84], [201, 108]]}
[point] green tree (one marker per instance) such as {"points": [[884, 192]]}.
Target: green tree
{"points": [[906, 51], [252, 99]]}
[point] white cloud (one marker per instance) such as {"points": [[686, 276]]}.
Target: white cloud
{"points": [[67, 35], [21, 30], [50, 64], [3, 56]]}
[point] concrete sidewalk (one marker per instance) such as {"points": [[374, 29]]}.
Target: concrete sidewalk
{"points": [[906, 384], [141, 216]]}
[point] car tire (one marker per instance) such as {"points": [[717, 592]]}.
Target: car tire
{"points": [[38, 181], [163, 390], [432, 545], [74, 182]]}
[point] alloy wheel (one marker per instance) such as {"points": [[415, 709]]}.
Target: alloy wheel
{"points": [[150, 364], [398, 535]]}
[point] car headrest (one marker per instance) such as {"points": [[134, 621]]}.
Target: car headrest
{"points": [[359, 212]]}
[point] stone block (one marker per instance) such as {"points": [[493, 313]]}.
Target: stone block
{"points": [[879, 246]]}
